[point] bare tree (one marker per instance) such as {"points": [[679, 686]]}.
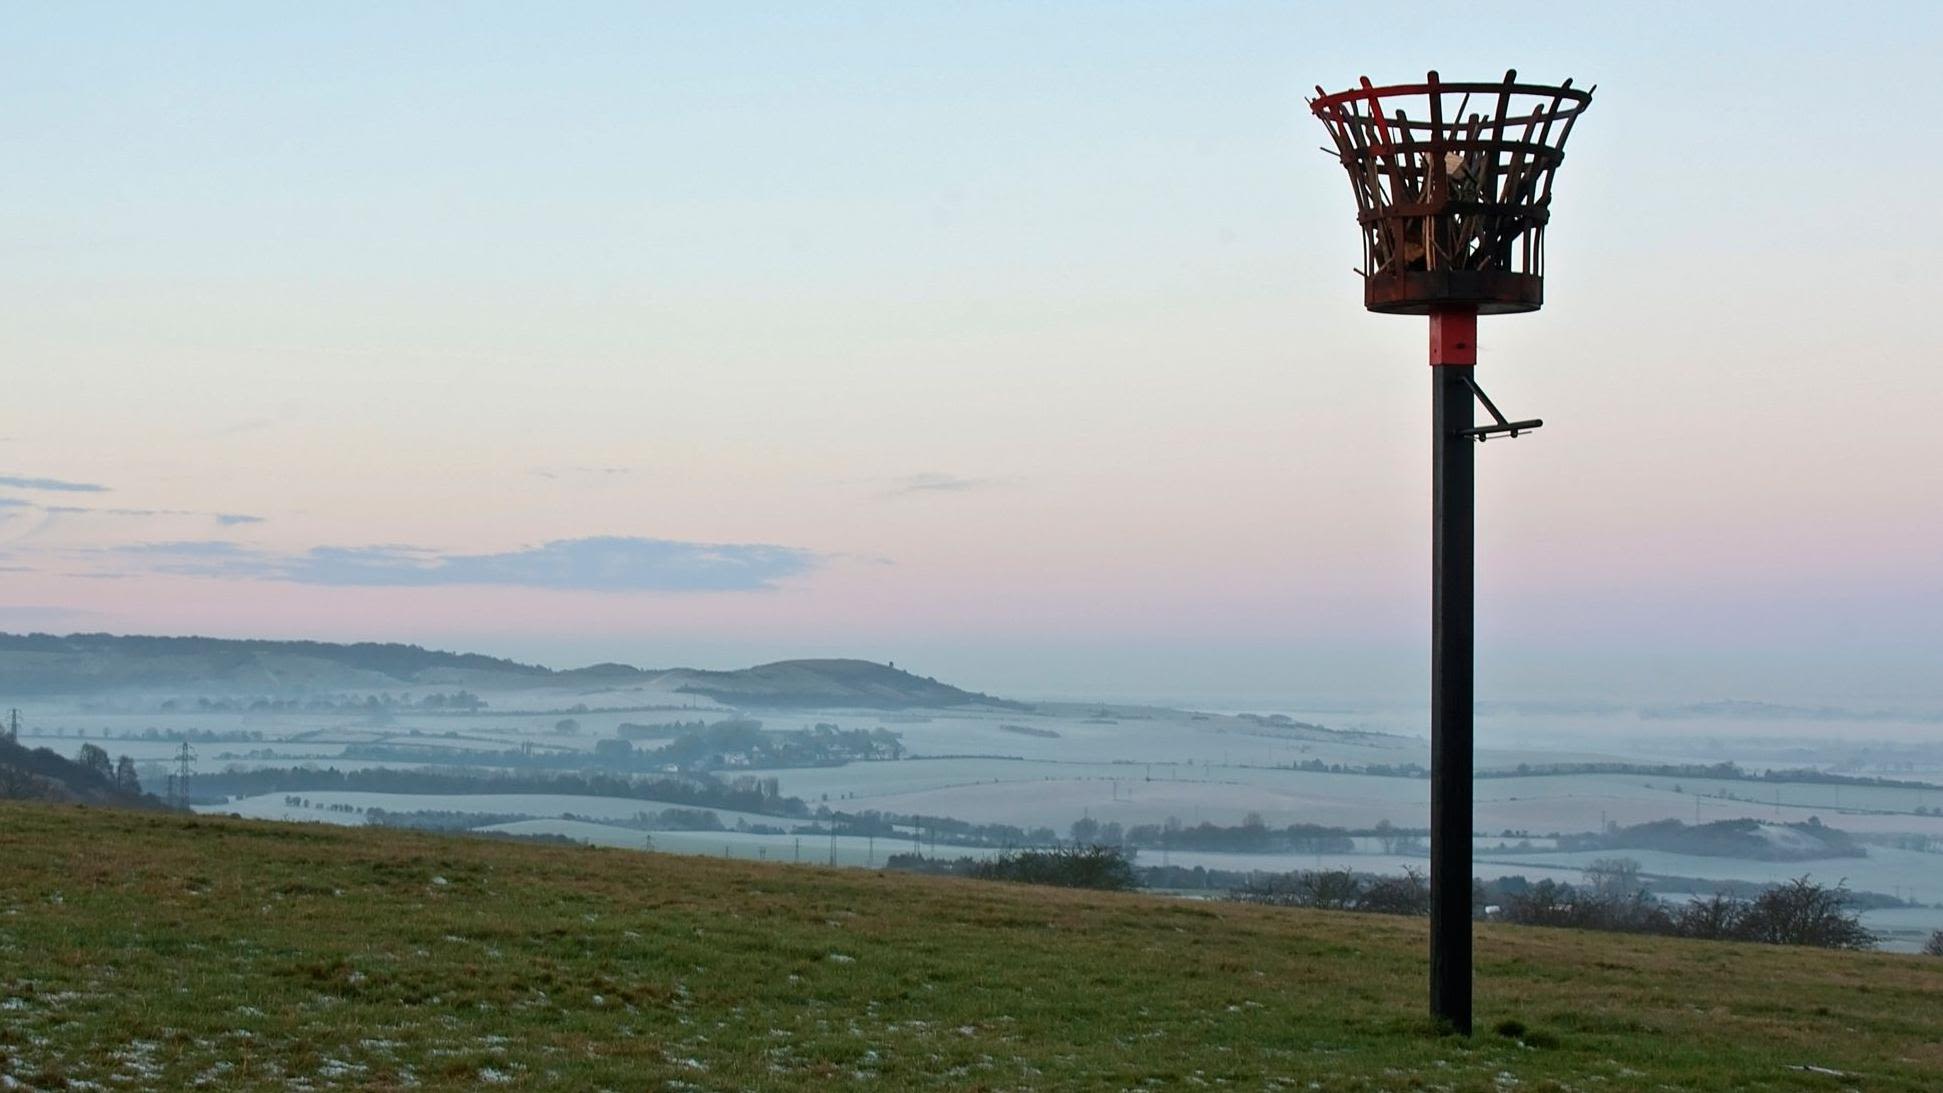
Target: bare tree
{"points": [[126, 780], [1613, 878], [95, 759], [1802, 912]]}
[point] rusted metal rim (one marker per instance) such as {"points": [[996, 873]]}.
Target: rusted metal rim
{"points": [[1577, 98]]}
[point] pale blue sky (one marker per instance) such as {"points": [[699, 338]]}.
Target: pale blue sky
{"points": [[1027, 329]]}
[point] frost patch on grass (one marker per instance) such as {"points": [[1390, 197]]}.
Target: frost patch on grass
{"points": [[840, 958], [338, 1068], [139, 1058]]}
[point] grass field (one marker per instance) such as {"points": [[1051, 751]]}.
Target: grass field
{"points": [[154, 952]]}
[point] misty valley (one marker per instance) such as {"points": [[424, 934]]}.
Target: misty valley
{"points": [[858, 764]]}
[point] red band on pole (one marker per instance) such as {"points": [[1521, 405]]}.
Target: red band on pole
{"points": [[1453, 337]]}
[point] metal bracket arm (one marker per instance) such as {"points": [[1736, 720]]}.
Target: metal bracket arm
{"points": [[1485, 432]]}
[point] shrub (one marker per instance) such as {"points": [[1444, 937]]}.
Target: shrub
{"points": [[1802, 912], [1934, 947], [1340, 890], [1405, 895], [1067, 867], [1716, 917], [1610, 901]]}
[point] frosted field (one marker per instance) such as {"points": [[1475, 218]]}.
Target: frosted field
{"points": [[1131, 765], [205, 763], [158, 750], [1174, 737], [863, 781], [1057, 793], [1548, 802], [1906, 873], [1159, 736], [1072, 774], [271, 806], [1904, 929], [1646, 739], [1323, 799], [850, 850]]}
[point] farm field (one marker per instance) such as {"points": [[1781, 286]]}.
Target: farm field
{"points": [[1913, 875], [330, 806], [154, 951], [842, 850], [1042, 792], [1050, 766], [1160, 737]]}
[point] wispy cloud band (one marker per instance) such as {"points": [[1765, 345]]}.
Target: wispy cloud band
{"points": [[59, 485], [603, 564], [933, 482]]}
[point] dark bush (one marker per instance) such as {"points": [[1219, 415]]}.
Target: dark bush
{"points": [[1802, 912], [1067, 867], [1714, 917], [1405, 895], [1339, 890]]}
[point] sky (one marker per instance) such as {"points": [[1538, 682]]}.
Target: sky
{"points": [[1015, 343]]}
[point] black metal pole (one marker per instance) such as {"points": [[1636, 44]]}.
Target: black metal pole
{"points": [[1451, 604]]}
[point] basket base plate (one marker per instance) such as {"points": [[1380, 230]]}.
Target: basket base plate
{"points": [[1421, 292]]}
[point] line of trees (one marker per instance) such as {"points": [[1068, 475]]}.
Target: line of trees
{"points": [[1728, 772], [1100, 867], [743, 794], [1251, 836], [1800, 912], [460, 701], [934, 829], [744, 742], [1340, 890]]}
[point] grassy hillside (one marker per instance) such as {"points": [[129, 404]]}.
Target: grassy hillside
{"points": [[157, 951]]}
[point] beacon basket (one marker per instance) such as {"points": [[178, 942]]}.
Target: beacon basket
{"points": [[1453, 187]]}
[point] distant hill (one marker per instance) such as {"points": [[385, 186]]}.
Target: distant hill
{"points": [[91, 664], [828, 683], [37, 664]]}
